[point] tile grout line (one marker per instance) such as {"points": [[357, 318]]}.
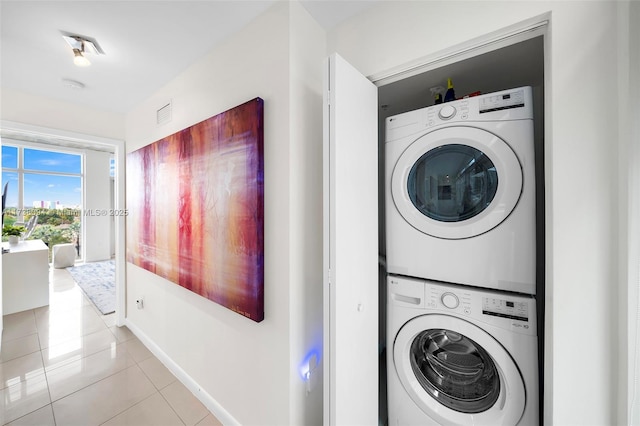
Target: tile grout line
{"points": [[117, 342], [69, 361], [159, 390], [4, 342], [32, 315], [46, 378], [93, 383], [171, 406], [128, 408], [43, 329], [43, 373]]}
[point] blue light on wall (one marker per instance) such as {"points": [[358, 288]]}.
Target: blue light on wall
{"points": [[309, 364]]}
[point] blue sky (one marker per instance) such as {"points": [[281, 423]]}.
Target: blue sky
{"points": [[39, 187]]}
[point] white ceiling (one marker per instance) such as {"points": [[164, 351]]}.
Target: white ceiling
{"points": [[146, 43]]}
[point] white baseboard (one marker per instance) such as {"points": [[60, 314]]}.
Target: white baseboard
{"points": [[207, 400]]}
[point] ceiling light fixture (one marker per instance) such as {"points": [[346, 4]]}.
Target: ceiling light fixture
{"points": [[80, 46], [79, 58]]}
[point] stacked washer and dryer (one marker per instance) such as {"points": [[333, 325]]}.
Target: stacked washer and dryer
{"points": [[461, 241]]}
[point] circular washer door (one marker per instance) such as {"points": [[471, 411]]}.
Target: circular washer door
{"points": [[456, 182], [457, 373]]}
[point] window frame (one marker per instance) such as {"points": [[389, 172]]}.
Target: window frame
{"points": [[21, 172]]}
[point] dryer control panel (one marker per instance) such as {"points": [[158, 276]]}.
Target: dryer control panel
{"points": [[505, 307], [512, 104], [500, 101]]}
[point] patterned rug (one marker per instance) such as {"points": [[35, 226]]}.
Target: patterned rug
{"points": [[98, 281]]}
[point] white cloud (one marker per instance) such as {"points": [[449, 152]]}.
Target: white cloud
{"points": [[50, 162]]}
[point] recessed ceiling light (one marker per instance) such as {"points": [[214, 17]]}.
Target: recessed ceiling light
{"points": [[72, 84]]}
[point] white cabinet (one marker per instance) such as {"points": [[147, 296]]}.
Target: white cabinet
{"points": [[25, 276]]}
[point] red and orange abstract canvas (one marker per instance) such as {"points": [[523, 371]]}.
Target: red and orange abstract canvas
{"points": [[196, 209]]}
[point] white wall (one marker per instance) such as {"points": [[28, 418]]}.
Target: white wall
{"points": [[34, 110], [581, 170], [307, 44], [97, 198], [250, 369]]}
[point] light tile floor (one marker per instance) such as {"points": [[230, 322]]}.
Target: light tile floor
{"points": [[66, 364]]}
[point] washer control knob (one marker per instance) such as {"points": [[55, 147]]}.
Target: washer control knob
{"points": [[450, 300], [446, 112]]}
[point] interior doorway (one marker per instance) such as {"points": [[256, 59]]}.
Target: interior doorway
{"points": [[55, 137]]}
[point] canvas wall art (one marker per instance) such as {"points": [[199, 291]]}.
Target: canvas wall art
{"points": [[195, 203]]}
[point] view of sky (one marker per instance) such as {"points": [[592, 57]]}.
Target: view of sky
{"points": [[67, 190]]}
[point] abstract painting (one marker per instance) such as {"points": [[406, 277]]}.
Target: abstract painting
{"points": [[195, 202]]}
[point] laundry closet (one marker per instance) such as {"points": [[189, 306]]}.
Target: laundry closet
{"points": [[495, 69], [585, 142]]}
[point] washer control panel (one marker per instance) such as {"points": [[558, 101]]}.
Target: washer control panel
{"points": [[510, 311], [502, 309], [450, 300], [505, 307], [458, 301]]}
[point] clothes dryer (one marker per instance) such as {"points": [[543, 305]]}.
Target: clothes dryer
{"points": [[460, 355], [460, 192]]}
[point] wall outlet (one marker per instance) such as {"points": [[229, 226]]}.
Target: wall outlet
{"points": [[140, 303]]}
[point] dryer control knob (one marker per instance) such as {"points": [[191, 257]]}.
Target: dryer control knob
{"points": [[446, 112], [450, 300]]}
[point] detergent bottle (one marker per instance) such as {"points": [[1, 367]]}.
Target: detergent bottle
{"points": [[436, 92], [450, 95]]}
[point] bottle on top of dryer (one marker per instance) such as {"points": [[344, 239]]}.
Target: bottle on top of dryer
{"points": [[436, 92], [450, 95]]}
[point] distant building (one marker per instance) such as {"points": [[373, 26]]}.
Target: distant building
{"points": [[42, 204]]}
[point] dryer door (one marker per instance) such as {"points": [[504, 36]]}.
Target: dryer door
{"points": [[456, 182], [457, 373]]}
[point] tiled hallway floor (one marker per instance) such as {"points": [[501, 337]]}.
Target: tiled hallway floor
{"points": [[66, 364]]}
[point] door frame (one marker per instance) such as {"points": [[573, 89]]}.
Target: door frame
{"points": [[46, 135], [512, 34], [536, 26]]}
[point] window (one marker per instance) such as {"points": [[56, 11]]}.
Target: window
{"points": [[47, 184]]}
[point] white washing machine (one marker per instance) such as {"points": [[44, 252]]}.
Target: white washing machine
{"points": [[460, 355], [460, 192]]}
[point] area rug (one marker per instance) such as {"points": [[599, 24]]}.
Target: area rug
{"points": [[98, 281]]}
